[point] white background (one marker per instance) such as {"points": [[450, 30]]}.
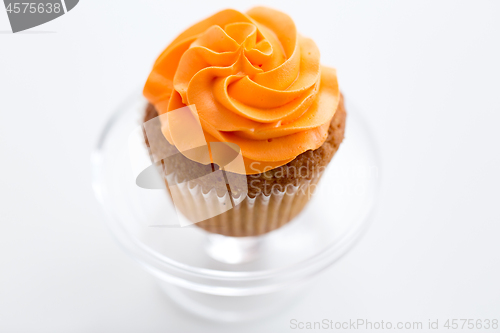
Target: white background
{"points": [[426, 75]]}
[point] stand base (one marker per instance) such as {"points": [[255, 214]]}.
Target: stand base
{"points": [[230, 309]]}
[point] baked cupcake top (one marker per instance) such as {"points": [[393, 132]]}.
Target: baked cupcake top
{"points": [[254, 82]]}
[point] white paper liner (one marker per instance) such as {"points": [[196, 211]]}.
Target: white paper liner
{"points": [[249, 216]]}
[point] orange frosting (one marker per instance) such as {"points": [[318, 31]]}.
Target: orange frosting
{"points": [[254, 81]]}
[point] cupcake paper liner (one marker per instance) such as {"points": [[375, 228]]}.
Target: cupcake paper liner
{"points": [[240, 216]]}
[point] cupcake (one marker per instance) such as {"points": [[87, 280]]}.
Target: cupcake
{"points": [[270, 115]]}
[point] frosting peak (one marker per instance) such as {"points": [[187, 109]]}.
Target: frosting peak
{"points": [[254, 81]]}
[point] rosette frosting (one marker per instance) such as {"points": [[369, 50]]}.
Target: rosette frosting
{"points": [[255, 82]]}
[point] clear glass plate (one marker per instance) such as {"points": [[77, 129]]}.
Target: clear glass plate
{"points": [[144, 223]]}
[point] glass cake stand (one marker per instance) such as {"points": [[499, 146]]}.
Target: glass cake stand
{"points": [[242, 278]]}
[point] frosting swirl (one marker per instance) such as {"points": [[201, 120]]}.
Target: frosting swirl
{"points": [[255, 82]]}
